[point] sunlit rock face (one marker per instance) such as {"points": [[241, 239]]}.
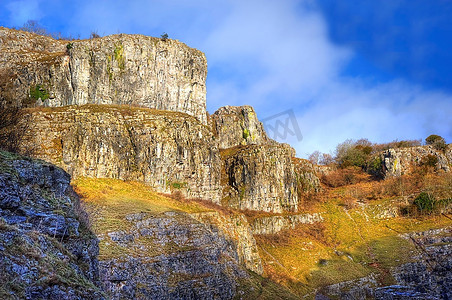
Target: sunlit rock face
{"points": [[118, 69], [397, 162], [238, 125], [169, 151], [260, 178]]}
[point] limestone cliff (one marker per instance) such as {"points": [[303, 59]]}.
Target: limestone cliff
{"points": [[169, 151], [47, 251], [275, 224], [307, 176], [401, 161], [171, 256], [238, 125], [117, 69], [260, 178]]}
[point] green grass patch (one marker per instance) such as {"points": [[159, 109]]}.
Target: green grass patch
{"points": [[39, 92]]}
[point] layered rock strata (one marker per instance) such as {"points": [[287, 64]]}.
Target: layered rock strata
{"points": [[169, 151], [397, 162], [118, 69], [260, 178], [238, 125], [308, 180]]}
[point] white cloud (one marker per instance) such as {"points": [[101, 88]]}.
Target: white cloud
{"points": [[23, 10], [285, 43], [383, 113], [274, 55]]}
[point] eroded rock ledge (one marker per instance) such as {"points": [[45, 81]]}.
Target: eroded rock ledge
{"points": [[167, 150], [117, 69], [47, 252]]}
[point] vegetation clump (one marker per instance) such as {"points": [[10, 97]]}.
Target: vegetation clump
{"points": [[164, 37], [246, 133], [39, 92], [436, 141]]}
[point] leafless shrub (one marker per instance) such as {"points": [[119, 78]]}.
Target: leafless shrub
{"points": [[346, 176], [94, 35]]}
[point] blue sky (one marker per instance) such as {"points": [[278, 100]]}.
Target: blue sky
{"points": [[348, 69]]}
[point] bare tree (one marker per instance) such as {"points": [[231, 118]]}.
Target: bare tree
{"points": [[14, 125], [35, 27]]}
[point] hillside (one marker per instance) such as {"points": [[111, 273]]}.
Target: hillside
{"points": [[180, 204]]}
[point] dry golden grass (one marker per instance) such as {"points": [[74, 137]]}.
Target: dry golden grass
{"points": [[110, 200], [348, 245]]}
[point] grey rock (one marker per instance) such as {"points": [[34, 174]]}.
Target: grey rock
{"points": [[260, 178], [184, 257], [397, 162], [118, 69], [238, 125], [27, 231]]}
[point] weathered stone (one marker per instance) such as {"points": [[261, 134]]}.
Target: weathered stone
{"points": [[238, 125], [169, 151], [430, 272], [174, 257], [428, 276], [397, 162], [307, 178], [236, 228], [116, 69], [260, 178], [33, 264], [275, 224]]}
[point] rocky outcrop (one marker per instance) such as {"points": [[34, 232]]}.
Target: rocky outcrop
{"points": [[47, 251], [307, 178], [170, 256], [238, 125], [169, 151], [397, 162], [260, 178], [275, 224], [118, 69], [428, 276], [431, 271], [236, 228]]}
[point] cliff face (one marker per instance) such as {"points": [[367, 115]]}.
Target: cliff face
{"points": [[260, 178], [118, 69], [167, 150], [238, 125], [171, 256], [426, 277], [47, 252], [307, 178], [237, 229], [401, 161]]}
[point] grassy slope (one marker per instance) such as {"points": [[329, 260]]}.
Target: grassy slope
{"points": [[350, 243], [110, 200]]}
